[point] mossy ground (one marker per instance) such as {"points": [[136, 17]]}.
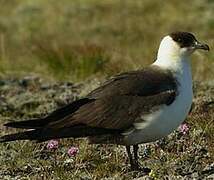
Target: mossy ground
{"points": [[75, 41], [176, 156]]}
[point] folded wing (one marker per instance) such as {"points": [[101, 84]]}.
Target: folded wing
{"points": [[113, 107]]}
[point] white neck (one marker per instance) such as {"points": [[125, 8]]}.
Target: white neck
{"points": [[171, 57], [179, 66], [176, 66], [168, 49]]}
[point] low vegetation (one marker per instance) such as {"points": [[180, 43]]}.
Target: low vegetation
{"points": [[75, 40], [188, 152], [75, 45]]}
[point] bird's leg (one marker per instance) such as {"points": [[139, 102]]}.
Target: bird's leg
{"points": [[135, 151], [133, 162], [128, 149], [136, 163]]}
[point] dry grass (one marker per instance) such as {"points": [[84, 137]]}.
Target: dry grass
{"points": [[41, 36], [176, 156], [82, 39]]}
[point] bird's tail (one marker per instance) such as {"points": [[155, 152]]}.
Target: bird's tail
{"points": [[44, 134], [40, 129], [53, 117], [31, 135], [28, 124]]}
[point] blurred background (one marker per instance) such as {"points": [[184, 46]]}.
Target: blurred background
{"points": [[80, 39]]}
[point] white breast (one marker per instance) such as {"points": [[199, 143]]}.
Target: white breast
{"points": [[162, 122]]}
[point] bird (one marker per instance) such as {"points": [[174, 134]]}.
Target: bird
{"points": [[130, 108]]}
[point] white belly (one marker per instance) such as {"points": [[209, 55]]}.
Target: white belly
{"points": [[162, 122]]}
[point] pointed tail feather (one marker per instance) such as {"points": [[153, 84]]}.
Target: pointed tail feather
{"points": [[54, 116], [31, 135], [48, 133], [28, 124]]}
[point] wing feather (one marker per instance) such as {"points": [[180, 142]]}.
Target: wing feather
{"points": [[117, 104], [116, 112]]}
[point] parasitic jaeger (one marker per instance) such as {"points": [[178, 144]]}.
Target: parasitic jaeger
{"points": [[129, 109]]}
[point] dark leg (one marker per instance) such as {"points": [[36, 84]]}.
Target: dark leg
{"points": [[128, 149], [137, 167], [135, 149], [133, 162]]}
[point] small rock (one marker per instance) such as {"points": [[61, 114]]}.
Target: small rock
{"points": [[210, 177], [194, 175], [45, 86]]}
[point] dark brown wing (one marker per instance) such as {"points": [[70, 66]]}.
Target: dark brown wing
{"points": [[149, 81], [111, 108], [116, 112], [119, 102]]}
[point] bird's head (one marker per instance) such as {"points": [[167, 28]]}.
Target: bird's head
{"points": [[179, 45]]}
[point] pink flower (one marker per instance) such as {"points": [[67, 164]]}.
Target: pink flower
{"points": [[53, 144], [183, 128], [72, 151]]}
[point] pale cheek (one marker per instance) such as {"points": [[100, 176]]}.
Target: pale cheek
{"points": [[186, 51]]}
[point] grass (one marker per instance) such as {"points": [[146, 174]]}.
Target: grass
{"points": [[176, 156], [76, 41]]}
